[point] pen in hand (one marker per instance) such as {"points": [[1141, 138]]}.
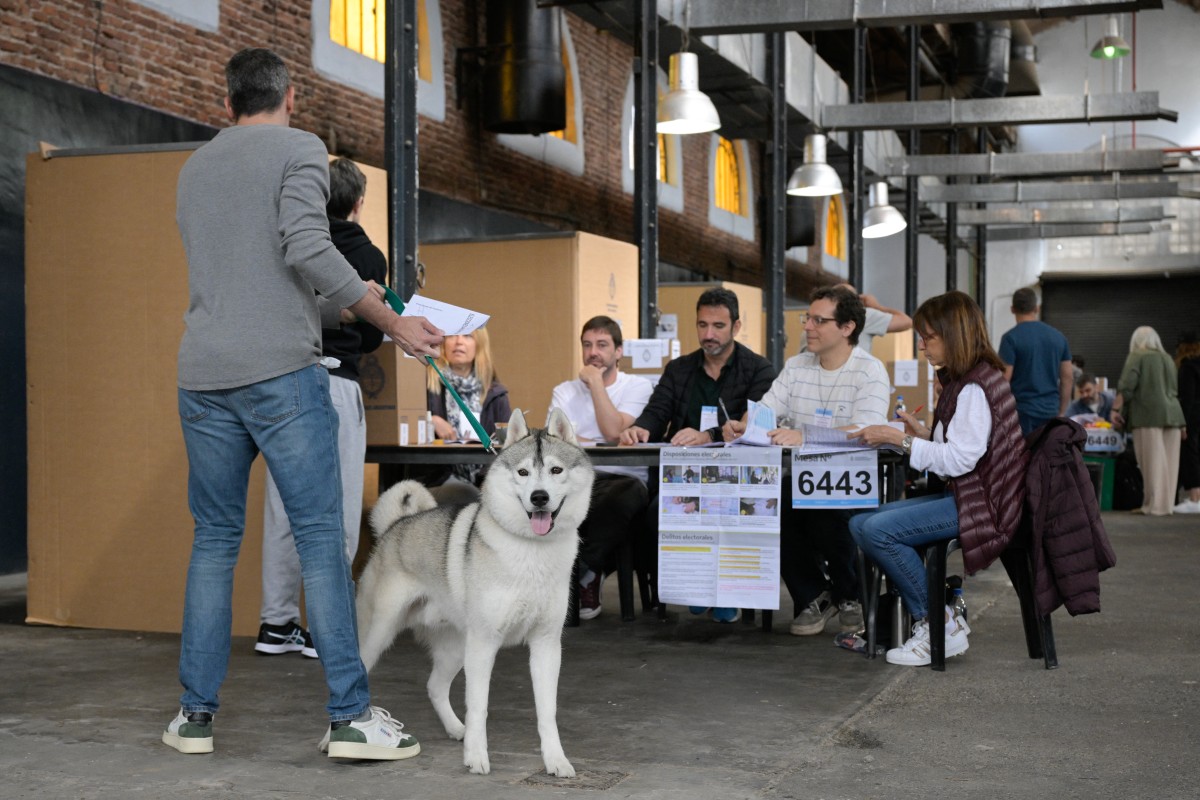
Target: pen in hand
{"points": [[724, 410], [918, 411]]}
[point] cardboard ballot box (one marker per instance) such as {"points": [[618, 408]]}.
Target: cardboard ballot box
{"points": [[393, 387]]}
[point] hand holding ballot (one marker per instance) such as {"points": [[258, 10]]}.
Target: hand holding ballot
{"points": [[879, 435]]}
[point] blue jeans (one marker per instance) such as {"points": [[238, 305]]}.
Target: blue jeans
{"points": [[290, 419], [890, 535]]}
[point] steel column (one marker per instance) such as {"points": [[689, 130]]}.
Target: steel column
{"points": [[857, 193], [400, 144], [645, 161], [911, 200], [952, 225], [981, 238], [775, 220]]}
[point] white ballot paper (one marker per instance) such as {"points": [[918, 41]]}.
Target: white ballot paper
{"points": [[453, 320], [760, 420], [718, 526]]}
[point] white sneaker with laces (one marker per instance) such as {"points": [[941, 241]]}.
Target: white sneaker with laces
{"points": [[916, 652], [381, 738]]}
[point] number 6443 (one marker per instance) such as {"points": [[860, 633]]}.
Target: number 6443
{"points": [[859, 483]]}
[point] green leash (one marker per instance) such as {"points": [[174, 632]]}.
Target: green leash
{"points": [[397, 305]]}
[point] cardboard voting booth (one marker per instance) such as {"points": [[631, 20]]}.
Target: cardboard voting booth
{"points": [[110, 532]]}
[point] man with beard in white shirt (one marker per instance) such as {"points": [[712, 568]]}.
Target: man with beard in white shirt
{"points": [[601, 403]]}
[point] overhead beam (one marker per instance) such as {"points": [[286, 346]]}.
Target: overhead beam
{"points": [[1050, 191], [1071, 231], [757, 16], [1060, 215], [1033, 110], [1001, 165]]}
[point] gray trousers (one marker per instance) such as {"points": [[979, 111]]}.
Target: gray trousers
{"points": [[280, 563]]}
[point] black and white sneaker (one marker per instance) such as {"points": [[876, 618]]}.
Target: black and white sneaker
{"points": [[274, 640]]}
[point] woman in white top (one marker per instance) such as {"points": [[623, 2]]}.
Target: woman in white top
{"points": [[975, 444]]}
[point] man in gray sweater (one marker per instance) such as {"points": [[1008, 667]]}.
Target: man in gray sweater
{"points": [[251, 213]]}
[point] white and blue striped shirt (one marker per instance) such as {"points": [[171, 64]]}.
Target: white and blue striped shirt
{"points": [[857, 393]]}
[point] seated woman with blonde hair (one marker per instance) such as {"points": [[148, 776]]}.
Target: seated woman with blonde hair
{"points": [[466, 361]]}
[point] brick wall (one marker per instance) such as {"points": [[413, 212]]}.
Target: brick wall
{"points": [[132, 52]]}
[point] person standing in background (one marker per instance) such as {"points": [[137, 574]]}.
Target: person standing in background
{"points": [[1147, 405], [1187, 359], [280, 630], [1037, 364]]}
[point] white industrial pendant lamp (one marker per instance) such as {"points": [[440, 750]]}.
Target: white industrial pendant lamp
{"points": [[881, 219], [686, 109], [1111, 44], [814, 178]]}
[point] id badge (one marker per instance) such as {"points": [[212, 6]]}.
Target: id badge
{"points": [[708, 418], [824, 418]]}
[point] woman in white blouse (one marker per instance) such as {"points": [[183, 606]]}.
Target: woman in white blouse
{"points": [[975, 445]]}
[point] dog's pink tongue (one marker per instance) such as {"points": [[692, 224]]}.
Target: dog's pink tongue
{"points": [[540, 522]]}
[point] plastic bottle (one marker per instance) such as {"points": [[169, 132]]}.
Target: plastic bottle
{"points": [[960, 604], [900, 409]]}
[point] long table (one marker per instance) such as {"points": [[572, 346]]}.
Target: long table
{"points": [[395, 460]]}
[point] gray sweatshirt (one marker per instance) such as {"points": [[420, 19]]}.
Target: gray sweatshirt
{"points": [[251, 212]]}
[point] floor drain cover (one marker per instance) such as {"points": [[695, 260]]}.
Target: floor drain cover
{"points": [[584, 779]]}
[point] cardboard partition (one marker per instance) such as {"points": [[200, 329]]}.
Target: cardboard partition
{"points": [[393, 387], [110, 532], [539, 290], [680, 299]]}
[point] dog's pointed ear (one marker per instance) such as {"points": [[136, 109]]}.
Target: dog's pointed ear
{"points": [[517, 429], [558, 425]]}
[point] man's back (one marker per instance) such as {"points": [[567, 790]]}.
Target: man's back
{"points": [[1035, 351], [251, 213]]}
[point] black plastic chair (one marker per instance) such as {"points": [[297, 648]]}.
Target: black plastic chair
{"points": [[626, 571], [1018, 562]]}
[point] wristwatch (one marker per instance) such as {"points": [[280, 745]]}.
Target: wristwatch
{"points": [[906, 444]]}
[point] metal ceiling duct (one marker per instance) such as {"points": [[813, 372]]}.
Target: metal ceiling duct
{"points": [[524, 80], [983, 50], [1022, 62]]}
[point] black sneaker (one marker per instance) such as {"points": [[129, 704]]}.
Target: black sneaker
{"points": [[275, 640]]}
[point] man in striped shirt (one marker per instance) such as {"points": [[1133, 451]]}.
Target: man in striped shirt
{"points": [[833, 384]]}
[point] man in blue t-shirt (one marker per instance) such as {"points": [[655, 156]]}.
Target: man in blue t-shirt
{"points": [[1039, 364]]}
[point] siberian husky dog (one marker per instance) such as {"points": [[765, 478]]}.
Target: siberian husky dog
{"points": [[470, 580]]}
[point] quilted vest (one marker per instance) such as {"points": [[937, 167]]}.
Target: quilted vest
{"points": [[991, 497]]}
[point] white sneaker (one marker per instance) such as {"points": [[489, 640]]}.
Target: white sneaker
{"points": [[190, 733], [1188, 507], [916, 652], [381, 738]]}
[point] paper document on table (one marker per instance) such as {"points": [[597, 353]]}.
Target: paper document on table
{"points": [[454, 321], [760, 420], [818, 439]]}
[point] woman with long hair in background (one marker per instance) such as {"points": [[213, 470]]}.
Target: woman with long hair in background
{"points": [[1147, 405]]}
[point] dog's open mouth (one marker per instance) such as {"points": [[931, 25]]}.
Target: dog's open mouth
{"points": [[541, 521]]}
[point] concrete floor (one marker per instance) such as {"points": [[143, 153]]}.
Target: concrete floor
{"points": [[683, 709]]}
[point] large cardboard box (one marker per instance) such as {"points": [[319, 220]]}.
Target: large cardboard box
{"points": [[539, 290], [110, 532], [393, 387], [680, 299]]}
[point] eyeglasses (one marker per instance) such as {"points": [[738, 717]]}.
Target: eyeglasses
{"points": [[818, 321]]}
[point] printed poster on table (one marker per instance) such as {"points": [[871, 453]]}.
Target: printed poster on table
{"points": [[718, 526]]}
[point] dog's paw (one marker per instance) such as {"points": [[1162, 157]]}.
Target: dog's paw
{"points": [[456, 730], [477, 763], [558, 766]]}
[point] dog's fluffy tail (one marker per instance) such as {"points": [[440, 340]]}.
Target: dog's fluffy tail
{"points": [[402, 500]]}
